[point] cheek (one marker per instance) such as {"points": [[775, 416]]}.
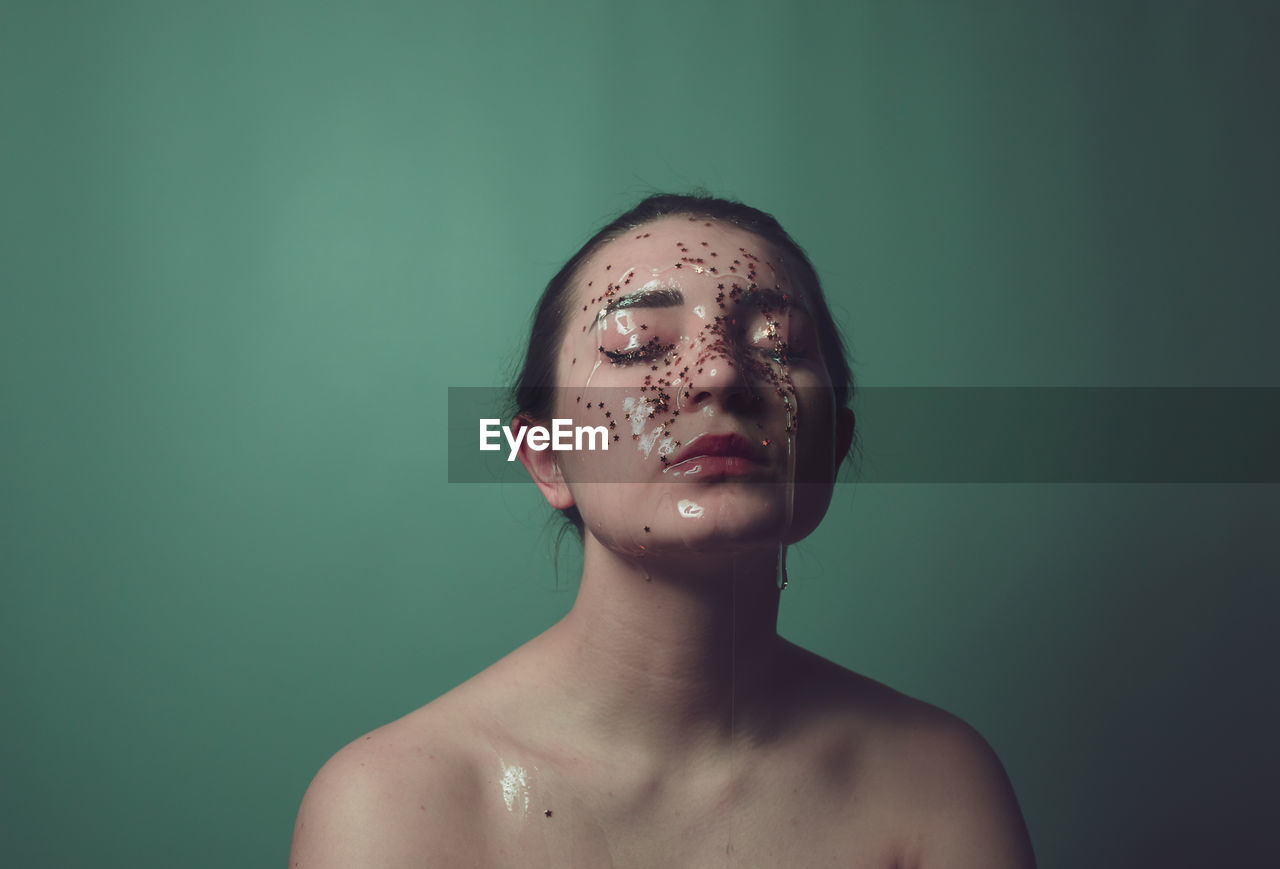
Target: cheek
{"points": [[637, 402]]}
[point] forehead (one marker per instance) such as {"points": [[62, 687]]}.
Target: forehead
{"points": [[687, 248]]}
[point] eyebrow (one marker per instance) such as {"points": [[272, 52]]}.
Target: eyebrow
{"points": [[670, 296], [659, 297], [770, 298]]}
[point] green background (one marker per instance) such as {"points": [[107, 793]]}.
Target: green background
{"points": [[246, 247]]}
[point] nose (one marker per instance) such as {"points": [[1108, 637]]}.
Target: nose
{"points": [[721, 378]]}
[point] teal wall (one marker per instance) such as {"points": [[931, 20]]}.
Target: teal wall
{"points": [[246, 247]]}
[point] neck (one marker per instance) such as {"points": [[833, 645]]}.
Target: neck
{"points": [[668, 654]]}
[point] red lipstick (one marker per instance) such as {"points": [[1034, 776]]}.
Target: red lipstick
{"points": [[721, 455]]}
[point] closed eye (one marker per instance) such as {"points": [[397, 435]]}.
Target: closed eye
{"points": [[645, 353], [782, 353]]}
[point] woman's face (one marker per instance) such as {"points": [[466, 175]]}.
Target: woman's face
{"points": [[690, 343]]}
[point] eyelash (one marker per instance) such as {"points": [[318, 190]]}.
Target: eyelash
{"points": [[652, 350], [784, 353]]}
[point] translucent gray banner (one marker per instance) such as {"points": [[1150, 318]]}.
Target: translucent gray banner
{"points": [[986, 435]]}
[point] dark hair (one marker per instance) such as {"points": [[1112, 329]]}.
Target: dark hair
{"points": [[531, 393]]}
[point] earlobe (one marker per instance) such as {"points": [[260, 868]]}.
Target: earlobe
{"points": [[543, 467]]}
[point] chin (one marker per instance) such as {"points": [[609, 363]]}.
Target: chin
{"points": [[721, 540], [698, 523], [716, 518]]}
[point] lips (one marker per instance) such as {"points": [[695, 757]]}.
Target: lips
{"points": [[728, 449]]}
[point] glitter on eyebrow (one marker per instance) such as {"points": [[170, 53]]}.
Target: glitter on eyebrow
{"points": [[659, 297], [768, 297]]}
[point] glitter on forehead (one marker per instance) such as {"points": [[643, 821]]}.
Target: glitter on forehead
{"points": [[735, 344], [729, 333]]}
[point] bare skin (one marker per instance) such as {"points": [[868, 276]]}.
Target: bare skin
{"points": [[850, 774], [663, 722]]}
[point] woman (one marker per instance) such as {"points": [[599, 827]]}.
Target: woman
{"points": [[663, 722]]}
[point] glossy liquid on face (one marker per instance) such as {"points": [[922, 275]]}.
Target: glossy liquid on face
{"points": [[673, 372], [649, 414]]}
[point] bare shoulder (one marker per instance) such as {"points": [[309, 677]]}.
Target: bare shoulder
{"points": [[942, 783], [394, 797], [966, 812]]}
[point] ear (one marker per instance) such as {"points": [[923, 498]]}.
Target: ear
{"points": [[542, 466], [845, 424]]}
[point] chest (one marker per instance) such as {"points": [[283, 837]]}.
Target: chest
{"points": [[792, 816]]}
